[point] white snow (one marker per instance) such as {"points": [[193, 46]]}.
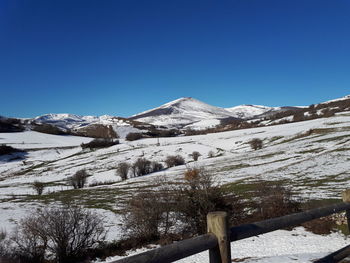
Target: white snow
{"points": [[250, 111], [315, 165], [183, 111], [297, 245]]}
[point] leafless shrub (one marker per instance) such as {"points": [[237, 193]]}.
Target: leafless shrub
{"points": [[156, 167], [174, 160], [5, 149], [148, 214], [256, 143], [199, 196], [123, 170], [99, 143], [78, 180], [31, 244], [97, 183], [38, 187], [195, 155], [66, 233], [133, 136], [3, 244], [273, 200], [141, 167]]}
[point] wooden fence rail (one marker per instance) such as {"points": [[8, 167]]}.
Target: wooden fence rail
{"points": [[216, 240]]}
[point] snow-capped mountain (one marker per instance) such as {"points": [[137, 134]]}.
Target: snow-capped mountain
{"points": [[94, 126], [71, 121], [182, 112], [250, 111]]}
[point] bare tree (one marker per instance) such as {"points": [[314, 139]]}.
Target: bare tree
{"points": [[142, 166], [123, 170], [174, 160], [256, 143], [78, 180], [195, 155], [65, 232], [38, 187], [156, 167]]}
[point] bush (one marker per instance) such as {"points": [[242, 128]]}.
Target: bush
{"points": [[174, 160], [123, 170], [156, 167], [78, 180], [99, 143], [256, 144], [149, 216], [3, 244], [38, 187], [144, 216], [199, 196], [141, 167], [133, 136], [195, 155], [66, 232], [274, 201], [4, 149]]}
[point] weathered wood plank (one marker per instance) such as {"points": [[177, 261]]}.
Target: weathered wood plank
{"points": [[174, 251], [336, 256], [218, 225]]}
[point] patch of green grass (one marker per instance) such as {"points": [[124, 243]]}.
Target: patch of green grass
{"points": [[336, 138], [98, 198], [247, 189], [30, 169], [297, 136], [275, 138], [233, 167], [325, 181], [341, 149], [276, 161], [333, 123]]}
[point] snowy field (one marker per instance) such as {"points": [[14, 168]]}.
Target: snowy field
{"points": [[311, 156], [279, 246]]}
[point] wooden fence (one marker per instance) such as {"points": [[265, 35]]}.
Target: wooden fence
{"points": [[219, 236]]}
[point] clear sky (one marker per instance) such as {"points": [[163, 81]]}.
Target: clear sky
{"points": [[121, 57]]}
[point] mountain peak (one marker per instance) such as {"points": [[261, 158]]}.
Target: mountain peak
{"points": [[182, 111]]}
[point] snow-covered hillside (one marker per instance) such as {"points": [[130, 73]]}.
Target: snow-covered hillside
{"points": [[182, 112], [194, 114], [311, 156], [250, 111], [78, 123]]}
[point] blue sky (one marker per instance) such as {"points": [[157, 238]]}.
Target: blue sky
{"points": [[122, 57]]}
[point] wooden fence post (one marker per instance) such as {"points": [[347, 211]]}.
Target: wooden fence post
{"points": [[346, 199], [217, 224]]}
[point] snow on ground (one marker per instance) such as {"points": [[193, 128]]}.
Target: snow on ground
{"points": [[285, 246], [33, 140], [311, 156]]}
